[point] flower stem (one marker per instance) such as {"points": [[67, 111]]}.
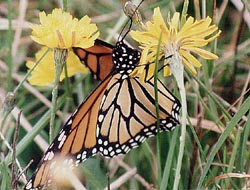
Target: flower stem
{"points": [[158, 147], [184, 12], [177, 70], [65, 5], [10, 40], [183, 133], [60, 56]]}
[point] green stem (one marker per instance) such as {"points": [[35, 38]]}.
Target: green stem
{"points": [[66, 81], [184, 12], [65, 3], [60, 56], [158, 147], [169, 160], [234, 155], [10, 40]]}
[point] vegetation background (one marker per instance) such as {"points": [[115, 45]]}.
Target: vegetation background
{"points": [[217, 138]]}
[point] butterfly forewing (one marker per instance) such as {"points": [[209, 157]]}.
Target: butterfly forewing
{"points": [[76, 141], [97, 58]]}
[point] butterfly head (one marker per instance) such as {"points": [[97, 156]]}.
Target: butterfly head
{"points": [[125, 58]]}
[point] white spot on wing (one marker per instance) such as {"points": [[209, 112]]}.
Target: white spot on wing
{"points": [[124, 77], [105, 152], [163, 121], [97, 130], [52, 144], [100, 117], [61, 135], [69, 122], [112, 154], [105, 143], [103, 99], [137, 137], [62, 141], [94, 150], [99, 141], [169, 125], [51, 155], [78, 156], [118, 151], [84, 155], [126, 149]]}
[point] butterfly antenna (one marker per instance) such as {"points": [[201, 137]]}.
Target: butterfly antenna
{"points": [[130, 19]]}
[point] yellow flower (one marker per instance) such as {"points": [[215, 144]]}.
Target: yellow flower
{"points": [[182, 41], [44, 73], [60, 30]]}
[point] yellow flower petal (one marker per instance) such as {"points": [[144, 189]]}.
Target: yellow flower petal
{"points": [[187, 25], [203, 53], [214, 37], [44, 73], [189, 66], [60, 30], [189, 42], [158, 20], [175, 21], [167, 71], [176, 39], [190, 58]]}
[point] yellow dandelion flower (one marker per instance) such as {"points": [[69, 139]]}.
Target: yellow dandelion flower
{"points": [[44, 73], [184, 41], [60, 30]]}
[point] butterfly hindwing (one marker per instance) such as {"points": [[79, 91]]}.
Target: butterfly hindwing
{"points": [[127, 114]]}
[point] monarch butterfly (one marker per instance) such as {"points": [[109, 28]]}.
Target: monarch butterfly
{"points": [[116, 117]]}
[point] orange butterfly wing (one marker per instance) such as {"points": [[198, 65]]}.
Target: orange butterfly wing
{"points": [[77, 139], [97, 58]]}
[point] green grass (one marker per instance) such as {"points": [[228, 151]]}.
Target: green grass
{"points": [[216, 155]]}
